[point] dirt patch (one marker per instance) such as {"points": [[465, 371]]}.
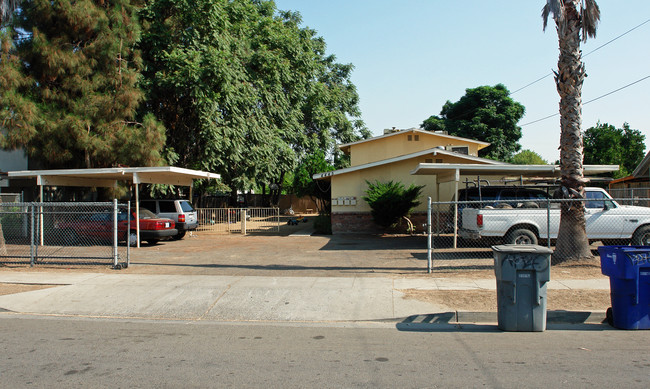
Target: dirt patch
{"points": [[486, 300], [6, 288]]}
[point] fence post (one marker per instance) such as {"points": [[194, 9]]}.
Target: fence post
{"points": [[32, 243], [548, 222], [128, 233], [115, 232], [243, 221], [429, 235], [277, 218]]}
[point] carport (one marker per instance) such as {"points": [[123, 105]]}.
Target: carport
{"points": [[108, 178], [446, 173]]}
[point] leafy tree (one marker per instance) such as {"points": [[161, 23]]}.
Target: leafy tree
{"points": [[390, 201], [487, 114], [575, 21], [242, 89], [68, 86], [605, 144], [528, 157], [305, 185]]}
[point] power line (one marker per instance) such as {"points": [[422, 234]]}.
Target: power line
{"points": [[592, 51], [590, 101]]}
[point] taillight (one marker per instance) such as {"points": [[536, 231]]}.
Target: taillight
{"points": [[479, 220], [181, 218]]}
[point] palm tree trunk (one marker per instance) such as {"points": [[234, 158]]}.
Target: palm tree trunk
{"points": [[572, 242]]}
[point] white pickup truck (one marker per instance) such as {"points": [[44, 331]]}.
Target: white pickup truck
{"points": [[607, 221]]}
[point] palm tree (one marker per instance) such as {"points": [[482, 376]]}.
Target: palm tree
{"points": [[7, 8], [575, 20]]}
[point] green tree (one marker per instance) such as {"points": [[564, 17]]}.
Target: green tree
{"points": [[484, 113], [242, 89], [305, 185], [605, 144], [390, 201], [69, 86], [575, 21], [528, 157]]}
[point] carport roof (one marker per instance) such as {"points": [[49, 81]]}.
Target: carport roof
{"points": [[447, 169], [108, 177]]}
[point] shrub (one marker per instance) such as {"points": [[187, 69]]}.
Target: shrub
{"points": [[390, 201]]}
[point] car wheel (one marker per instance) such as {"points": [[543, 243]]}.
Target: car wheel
{"points": [[521, 236], [179, 236], [641, 236]]}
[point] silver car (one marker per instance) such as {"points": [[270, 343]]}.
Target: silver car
{"points": [[180, 211]]}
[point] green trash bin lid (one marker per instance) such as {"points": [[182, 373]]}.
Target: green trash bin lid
{"points": [[521, 248]]}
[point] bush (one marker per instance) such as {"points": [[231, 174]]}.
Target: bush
{"points": [[390, 201], [323, 224]]}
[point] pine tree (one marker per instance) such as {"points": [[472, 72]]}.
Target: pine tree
{"points": [[69, 84]]}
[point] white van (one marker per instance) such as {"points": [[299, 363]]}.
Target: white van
{"points": [[180, 211]]}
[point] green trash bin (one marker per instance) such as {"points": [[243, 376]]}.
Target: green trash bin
{"points": [[522, 272]]}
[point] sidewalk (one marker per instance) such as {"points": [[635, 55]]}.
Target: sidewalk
{"points": [[256, 298]]}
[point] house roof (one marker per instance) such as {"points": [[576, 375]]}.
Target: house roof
{"points": [[642, 169], [108, 177], [346, 147], [434, 151]]}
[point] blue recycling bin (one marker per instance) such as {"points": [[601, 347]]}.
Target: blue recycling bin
{"points": [[628, 269]]}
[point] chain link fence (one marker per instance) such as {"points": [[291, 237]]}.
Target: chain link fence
{"points": [[64, 233], [238, 220], [463, 232]]}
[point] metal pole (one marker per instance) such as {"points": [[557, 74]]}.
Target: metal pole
{"points": [[429, 235], [40, 213], [456, 213], [137, 215], [32, 245], [548, 222], [277, 218], [115, 232], [128, 233]]}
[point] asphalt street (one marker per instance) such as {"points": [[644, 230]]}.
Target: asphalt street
{"points": [[71, 352]]}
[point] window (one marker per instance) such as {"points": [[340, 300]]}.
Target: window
{"points": [[439, 160], [167, 207], [598, 204], [150, 205], [417, 138], [186, 206], [409, 137], [461, 150], [428, 160]]}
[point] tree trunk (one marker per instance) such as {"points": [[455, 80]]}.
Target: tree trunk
{"points": [[572, 242]]}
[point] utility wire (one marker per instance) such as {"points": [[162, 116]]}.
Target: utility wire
{"points": [[592, 51], [590, 101]]}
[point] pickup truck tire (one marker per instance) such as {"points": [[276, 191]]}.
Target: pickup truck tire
{"points": [[641, 236], [521, 236]]}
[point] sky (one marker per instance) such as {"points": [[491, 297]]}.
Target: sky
{"points": [[411, 56]]}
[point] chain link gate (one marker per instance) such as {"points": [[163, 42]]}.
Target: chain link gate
{"points": [[461, 233], [65, 233]]}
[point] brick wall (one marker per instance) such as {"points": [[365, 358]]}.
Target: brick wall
{"points": [[362, 222]]}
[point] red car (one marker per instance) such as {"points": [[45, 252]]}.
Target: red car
{"points": [[99, 226]]}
